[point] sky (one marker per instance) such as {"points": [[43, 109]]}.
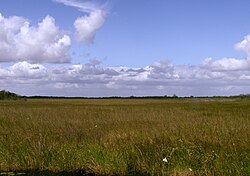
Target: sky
{"points": [[125, 47]]}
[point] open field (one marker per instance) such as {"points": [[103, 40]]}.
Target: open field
{"points": [[126, 136]]}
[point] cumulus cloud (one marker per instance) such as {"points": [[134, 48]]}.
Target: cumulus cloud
{"points": [[244, 46], [20, 41], [46, 42], [231, 64], [87, 25]]}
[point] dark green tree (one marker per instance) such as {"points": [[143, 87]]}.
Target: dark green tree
{"points": [[6, 95]]}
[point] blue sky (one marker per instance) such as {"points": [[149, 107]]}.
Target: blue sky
{"points": [[166, 39]]}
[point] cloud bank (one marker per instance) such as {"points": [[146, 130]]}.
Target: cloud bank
{"points": [[20, 41], [158, 78]]}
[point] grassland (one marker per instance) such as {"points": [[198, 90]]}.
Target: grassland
{"points": [[126, 136]]}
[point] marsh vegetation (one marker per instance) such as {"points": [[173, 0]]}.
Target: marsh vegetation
{"points": [[126, 136]]}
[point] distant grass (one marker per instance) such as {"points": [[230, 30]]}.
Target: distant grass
{"points": [[126, 136]]}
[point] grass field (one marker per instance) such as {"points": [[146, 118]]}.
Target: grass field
{"points": [[126, 136]]}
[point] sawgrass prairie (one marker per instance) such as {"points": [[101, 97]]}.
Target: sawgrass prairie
{"points": [[191, 136]]}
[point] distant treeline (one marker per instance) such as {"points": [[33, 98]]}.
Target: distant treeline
{"points": [[136, 97], [6, 95]]}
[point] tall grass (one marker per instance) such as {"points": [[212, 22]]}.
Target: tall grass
{"points": [[126, 136]]}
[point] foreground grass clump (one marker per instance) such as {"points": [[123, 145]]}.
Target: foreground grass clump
{"points": [[126, 136]]}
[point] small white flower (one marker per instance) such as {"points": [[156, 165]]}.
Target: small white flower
{"points": [[165, 160], [190, 169], [96, 126]]}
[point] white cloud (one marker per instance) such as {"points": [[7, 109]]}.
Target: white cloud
{"points": [[244, 46], [19, 41], [231, 64], [82, 6], [87, 25], [23, 70], [161, 70], [227, 64], [27, 70]]}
